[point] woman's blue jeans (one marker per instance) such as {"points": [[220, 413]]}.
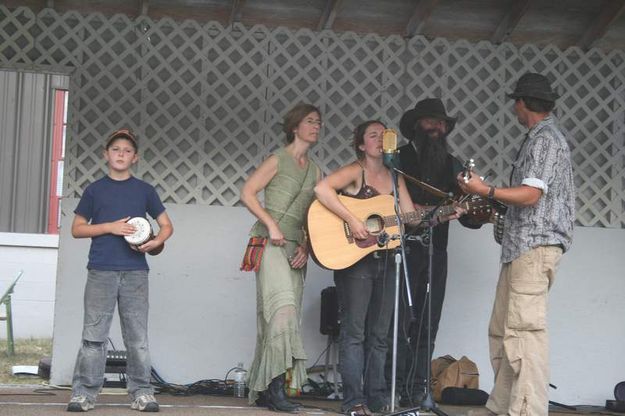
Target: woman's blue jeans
{"points": [[365, 294]]}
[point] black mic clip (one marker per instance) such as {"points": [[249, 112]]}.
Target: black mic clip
{"points": [[382, 239]]}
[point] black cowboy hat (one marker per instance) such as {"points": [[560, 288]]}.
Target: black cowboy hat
{"points": [[534, 85], [429, 107]]}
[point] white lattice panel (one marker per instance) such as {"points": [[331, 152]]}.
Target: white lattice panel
{"points": [[207, 101]]}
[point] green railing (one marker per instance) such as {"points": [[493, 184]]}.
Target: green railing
{"points": [[6, 301]]}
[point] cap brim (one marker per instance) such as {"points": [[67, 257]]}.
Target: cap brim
{"points": [[546, 97], [123, 134]]}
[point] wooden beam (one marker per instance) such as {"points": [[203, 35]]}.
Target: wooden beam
{"points": [[235, 13], [421, 14], [145, 6], [612, 10], [510, 21], [329, 14]]}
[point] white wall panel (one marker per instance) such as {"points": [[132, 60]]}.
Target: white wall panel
{"points": [[202, 311]]}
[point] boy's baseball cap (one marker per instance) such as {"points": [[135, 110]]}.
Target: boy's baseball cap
{"points": [[122, 133]]}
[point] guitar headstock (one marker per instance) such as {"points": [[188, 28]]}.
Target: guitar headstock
{"points": [[468, 170]]}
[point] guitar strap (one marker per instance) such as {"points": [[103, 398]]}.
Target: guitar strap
{"points": [[516, 158], [301, 187]]}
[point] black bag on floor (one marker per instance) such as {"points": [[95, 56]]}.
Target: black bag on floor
{"points": [[464, 396]]}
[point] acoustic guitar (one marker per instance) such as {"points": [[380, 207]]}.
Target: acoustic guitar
{"points": [[333, 245]]}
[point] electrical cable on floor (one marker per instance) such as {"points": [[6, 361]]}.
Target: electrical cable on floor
{"points": [[323, 389], [213, 387], [217, 387]]}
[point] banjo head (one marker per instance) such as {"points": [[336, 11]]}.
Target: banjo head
{"points": [[143, 231]]}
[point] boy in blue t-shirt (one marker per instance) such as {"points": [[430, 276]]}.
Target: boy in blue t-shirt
{"points": [[117, 274]]}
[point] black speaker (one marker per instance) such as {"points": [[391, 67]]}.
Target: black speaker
{"points": [[617, 405], [330, 324], [619, 391]]}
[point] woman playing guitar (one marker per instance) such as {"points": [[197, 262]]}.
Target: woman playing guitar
{"points": [[365, 289]]}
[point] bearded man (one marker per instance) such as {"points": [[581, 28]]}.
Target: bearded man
{"points": [[426, 157]]}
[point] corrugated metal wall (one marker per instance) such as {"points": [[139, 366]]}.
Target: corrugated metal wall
{"points": [[26, 109]]}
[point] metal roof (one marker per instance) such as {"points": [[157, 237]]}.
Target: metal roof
{"points": [[563, 23]]}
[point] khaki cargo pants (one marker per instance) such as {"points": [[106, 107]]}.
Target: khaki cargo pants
{"points": [[519, 345]]}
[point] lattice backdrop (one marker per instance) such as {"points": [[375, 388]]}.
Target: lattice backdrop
{"points": [[207, 101]]}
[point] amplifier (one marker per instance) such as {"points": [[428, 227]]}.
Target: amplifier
{"points": [[116, 361]]}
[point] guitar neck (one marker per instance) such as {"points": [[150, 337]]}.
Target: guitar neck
{"points": [[419, 214]]}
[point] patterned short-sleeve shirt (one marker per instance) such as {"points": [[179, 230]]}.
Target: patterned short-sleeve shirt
{"points": [[544, 162]]}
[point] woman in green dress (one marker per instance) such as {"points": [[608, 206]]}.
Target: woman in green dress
{"points": [[287, 178]]}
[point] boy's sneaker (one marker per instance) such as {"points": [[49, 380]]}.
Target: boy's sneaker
{"points": [[79, 404], [145, 403]]}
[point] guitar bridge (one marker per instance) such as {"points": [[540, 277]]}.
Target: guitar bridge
{"points": [[348, 232]]}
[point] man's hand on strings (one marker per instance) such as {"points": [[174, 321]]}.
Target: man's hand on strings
{"points": [[472, 185]]}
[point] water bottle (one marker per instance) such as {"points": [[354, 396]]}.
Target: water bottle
{"points": [[239, 380]]}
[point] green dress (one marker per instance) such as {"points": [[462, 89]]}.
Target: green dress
{"points": [[279, 288]]}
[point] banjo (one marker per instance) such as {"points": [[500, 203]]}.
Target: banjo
{"points": [[497, 213], [143, 233]]}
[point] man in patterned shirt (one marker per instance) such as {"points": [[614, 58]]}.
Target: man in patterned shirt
{"points": [[538, 230]]}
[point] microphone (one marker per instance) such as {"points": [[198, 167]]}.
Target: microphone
{"points": [[382, 239], [389, 147]]}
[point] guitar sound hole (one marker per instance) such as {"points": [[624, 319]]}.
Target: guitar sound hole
{"points": [[375, 224]]}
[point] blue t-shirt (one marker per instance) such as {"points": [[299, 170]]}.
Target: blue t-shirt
{"points": [[108, 200]]}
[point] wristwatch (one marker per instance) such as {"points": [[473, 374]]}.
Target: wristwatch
{"points": [[491, 192]]}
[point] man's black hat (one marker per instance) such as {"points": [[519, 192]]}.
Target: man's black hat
{"points": [[534, 85], [429, 107]]}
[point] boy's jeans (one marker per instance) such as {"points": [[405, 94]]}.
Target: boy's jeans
{"points": [[104, 289]]}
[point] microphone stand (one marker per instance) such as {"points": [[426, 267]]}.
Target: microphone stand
{"points": [[400, 254], [425, 186], [428, 402]]}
